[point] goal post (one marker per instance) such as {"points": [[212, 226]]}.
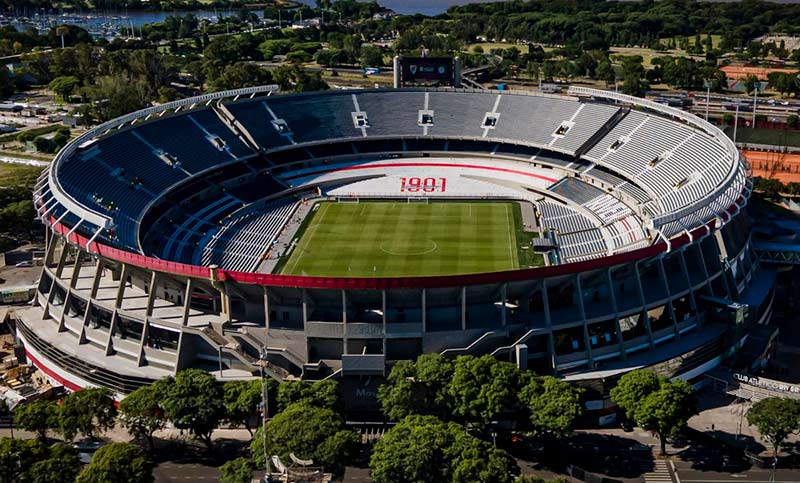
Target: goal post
{"points": [[348, 199], [418, 199]]}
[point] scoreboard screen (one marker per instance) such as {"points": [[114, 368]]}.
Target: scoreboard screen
{"points": [[427, 69]]}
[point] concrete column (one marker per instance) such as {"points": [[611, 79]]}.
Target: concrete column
{"points": [[121, 286], [344, 323], [504, 300], [582, 312], [643, 304], [396, 76], [76, 269], [424, 313], [613, 299], [266, 308], [187, 301], [62, 261], [151, 295], [142, 360], [551, 345], [671, 310], [383, 305], [685, 271], [98, 275], [463, 308], [111, 329], [457, 72], [304, 306]]}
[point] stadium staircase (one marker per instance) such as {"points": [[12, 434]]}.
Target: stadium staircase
{"points": [[227, 117], [233, 348], [486, 336], [602, 132]]}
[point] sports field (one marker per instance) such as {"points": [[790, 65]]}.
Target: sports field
{"points": [[388, 239]]}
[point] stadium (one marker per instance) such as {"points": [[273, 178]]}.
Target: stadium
{"points": [[328, 235]]}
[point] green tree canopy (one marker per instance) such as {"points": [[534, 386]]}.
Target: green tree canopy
{"points": [[307, 431], [482, 388], [19, 455], [120, 463], [323, 394], [88, 412], [632, 388], [422, 449], [239, 470], [418, 387], [775, 418], [194, 401], [61, 465], [64, 86], [554, 405], [242, 399], [142, 414], [37, 417], [656, 403]]}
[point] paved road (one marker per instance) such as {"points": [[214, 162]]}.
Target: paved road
{"points": [[686, 474], [176, 472]]}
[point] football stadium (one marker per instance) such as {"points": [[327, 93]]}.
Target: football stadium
{"points": [[331, 234]]}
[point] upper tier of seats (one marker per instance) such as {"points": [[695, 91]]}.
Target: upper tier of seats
{"points": [[664, 164]]}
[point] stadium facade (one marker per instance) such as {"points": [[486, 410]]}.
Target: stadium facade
{"points": [[165, 227]]}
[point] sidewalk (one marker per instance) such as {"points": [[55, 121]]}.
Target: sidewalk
{"points": [[724, 418]]}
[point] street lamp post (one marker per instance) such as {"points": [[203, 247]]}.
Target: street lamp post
{"points": [[755, 101], [264, 410]]}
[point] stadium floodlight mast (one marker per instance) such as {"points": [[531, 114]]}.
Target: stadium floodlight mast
{"points": [[264, 410]]}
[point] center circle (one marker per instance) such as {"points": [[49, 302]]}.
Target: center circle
{"points": [[408, 247]]}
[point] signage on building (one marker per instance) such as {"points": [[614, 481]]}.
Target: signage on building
{"points": [[766, 383]]}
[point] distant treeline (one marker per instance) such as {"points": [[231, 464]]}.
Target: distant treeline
{"points": [[600, 23]]}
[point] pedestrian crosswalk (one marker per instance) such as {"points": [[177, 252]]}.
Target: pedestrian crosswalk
{"points": [[656, 472]]}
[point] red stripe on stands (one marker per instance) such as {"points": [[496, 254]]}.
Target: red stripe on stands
{"points": [[425, 165], [64, 382]]}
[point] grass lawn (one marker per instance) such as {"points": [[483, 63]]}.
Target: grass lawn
{"points": [[389, 239], [488, 46]]}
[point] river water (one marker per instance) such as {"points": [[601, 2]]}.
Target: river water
{"points": [[112, 23]]}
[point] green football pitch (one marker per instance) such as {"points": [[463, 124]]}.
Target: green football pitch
{"points": [[391, 239]]}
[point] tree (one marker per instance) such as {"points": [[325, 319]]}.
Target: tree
{"points": [[193, 400], [64, 86], [751, 83], [554, 405], [307, 431], [424, 448], [482, 388], [141, 413], [775, 418], [291, 78], [36, 416], [792, 120], [242, 399], [17, 456], [323, 394], [120, 463], [241, 74], [239, 470], [418, 387], [61, 465], [371, 56], [88, 412], [656, 403], [632, 388]]}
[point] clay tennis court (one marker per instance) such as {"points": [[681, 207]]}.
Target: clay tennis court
{"points": [[784, 167], [742, 71]]}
